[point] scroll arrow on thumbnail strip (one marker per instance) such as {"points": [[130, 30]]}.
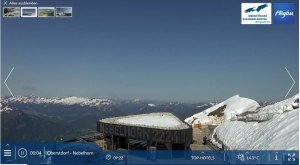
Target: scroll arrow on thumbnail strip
{"points": [[292, 79], [7, 79]]}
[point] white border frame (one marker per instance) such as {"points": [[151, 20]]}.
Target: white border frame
{"points": [[36, 12], [64, 16], [46, 8]]}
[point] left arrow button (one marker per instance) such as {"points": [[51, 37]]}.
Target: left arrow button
{"points": [[7, 79]]}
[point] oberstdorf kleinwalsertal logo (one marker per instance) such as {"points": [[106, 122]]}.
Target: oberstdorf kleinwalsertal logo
{"points": [[256, 13], [284, 13]]}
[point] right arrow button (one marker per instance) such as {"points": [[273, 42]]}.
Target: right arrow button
{"points": [[292, 79]]}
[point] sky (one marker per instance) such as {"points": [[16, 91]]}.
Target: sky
{"points": [[171, 50]]}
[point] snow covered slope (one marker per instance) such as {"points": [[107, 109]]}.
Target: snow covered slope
{"points": [[281, 132], [5, 108], [280, 107], [232, 106]]}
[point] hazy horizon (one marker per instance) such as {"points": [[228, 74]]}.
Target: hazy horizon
{"points": [[153, 100]]}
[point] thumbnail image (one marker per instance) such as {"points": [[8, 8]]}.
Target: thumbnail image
{"points": [[28, 12], [64, 11], [11, 12], [46, 11]]}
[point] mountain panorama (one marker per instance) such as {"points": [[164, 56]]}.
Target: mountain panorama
{"points": [[57, 100], [25, 116], [240, 123]]}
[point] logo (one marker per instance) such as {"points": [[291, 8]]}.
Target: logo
{"points": [[284, 13], [256, 13]]}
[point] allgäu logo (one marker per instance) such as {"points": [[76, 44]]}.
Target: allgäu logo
{"points": [[284, 13]]}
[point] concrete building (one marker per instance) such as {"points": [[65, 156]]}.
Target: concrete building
{"points": [[162, 131]]}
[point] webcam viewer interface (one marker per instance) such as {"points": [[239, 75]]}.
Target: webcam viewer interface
{"points": [[149, 82]]}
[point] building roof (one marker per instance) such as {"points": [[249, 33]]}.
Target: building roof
{"points": [[160, 120]]}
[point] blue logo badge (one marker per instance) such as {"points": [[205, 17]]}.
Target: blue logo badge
{"points": [[284, 13]]}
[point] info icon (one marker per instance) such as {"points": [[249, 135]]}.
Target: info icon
{"points": [[284, 13]]}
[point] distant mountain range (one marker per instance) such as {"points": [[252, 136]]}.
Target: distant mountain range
{"points": [[33, 118], [57, 100]]}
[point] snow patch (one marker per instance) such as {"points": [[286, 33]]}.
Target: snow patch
{"points": [[4, 108], [156, 120], [280, 133], [162, 120], [151, 105], [234, 105]]}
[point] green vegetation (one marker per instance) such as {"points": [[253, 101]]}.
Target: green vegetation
{"points": [[46, 13]]}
